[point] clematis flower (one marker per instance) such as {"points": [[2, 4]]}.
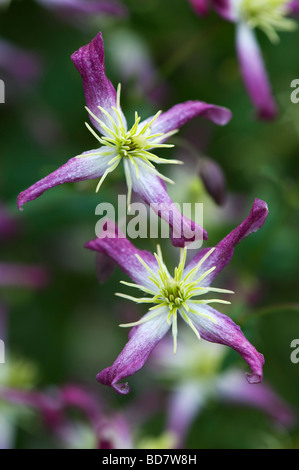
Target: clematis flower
{"points": [[133, 147], [100, 427], [175, 296], [53, 406], [196, 375], [271, 16]]}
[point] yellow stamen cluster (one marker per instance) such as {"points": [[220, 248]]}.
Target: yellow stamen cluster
{"points": [[176, 293], [132, 146], [268, 15]]}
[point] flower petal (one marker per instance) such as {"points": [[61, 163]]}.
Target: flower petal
{"points": [[83, 7], [99, 91], [142, 341], [87, 166], [293, 7], [228, 9], [153, 191], [214, 179], [113, 243], [225, 249], [182, 113], [201, 7], [232, 388], [254, 73], [228, 333], [186, 402]]}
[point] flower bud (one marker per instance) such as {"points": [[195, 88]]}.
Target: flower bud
{"points": [[213, 179]]}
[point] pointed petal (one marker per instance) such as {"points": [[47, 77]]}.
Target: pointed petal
{"points": [[182, 113], [225, 249], [228, 333], [293, 7], [228, 9], [201, 7], [142, 341], [99, 91], [185, 404], [118, 248], [87, 166], [232, 388], [153, 191], [254, 72]]}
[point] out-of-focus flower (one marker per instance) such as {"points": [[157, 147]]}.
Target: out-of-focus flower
{"points": [[23, 276], [9, 226], [11, 274], [75, 9], [133, 147], [294, 7], [177, 295], [213, 179], [23, 66], [22, 375], [201, 7], [95, 425], [197, 377], [53, 406], [271, 16], [131, 58]]}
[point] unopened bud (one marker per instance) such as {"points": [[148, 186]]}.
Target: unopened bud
{"points": [[213, 179]]}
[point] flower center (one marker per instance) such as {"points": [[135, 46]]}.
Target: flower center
{"points": [[268, 15], [134, 146], [172, 293], [177, 294], [131, 143]]}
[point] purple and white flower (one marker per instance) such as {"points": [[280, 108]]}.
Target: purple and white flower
{"points": [[271, 16], [196, 375], [133, 147], [175, 296]]}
